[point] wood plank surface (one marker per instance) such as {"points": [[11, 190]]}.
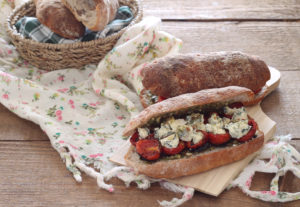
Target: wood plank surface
{"points": [[32, 174], [223, 9], [277, 43]]}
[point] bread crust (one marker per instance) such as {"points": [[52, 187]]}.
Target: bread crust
{"points": [[187, 101], [146, 100], [94, 14], [54, 15], [196, 163], [186, 73]]}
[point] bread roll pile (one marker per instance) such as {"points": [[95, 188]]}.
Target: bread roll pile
{"points": [[69, 18]]}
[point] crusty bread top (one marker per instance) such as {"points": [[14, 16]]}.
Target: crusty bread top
{"points": [[187, 101], [187, 73], [94, 14], [57, 17]]}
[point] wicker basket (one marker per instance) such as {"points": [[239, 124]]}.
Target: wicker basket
{"points": [[57, 56]]}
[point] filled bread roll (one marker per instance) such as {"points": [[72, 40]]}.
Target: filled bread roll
{"points": [[54, 15], [94, 14]]}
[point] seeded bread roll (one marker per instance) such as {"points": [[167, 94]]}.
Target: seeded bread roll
{"points": [[198, 162], [94, 14], [54, 15], [186, 73]]}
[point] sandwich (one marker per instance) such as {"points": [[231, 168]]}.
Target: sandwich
{"points": [[188, 73], [192, 133]]}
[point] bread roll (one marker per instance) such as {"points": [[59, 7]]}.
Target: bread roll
{"points": [[188, 73], [94, 14], [54, 15], [197, 162]]}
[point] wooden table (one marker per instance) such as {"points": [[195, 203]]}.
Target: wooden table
{"points": [[32, 173]]}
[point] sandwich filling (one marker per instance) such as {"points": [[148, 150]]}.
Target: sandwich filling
{"points": [[171, 135]]}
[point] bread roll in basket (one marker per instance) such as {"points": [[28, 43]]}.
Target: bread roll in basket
{"points": [[58, 56]]}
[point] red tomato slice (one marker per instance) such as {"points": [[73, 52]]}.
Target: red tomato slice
{"points": [[218, 139], [149, 149], [251, 132], [161, 98], [203, 141], [134, 138], [174, 151], [236, 105]]}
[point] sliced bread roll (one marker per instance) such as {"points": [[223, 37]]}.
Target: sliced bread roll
{"points": [[199, 161]]}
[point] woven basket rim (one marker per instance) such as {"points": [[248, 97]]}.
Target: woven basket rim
{"points": [[13, 33]]}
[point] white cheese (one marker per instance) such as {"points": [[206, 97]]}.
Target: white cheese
{"points": [[175, 123], [240, 114], [228, 110], [143, 132], [170, 141], [215, 129], [197, 137], [184, 133], [238, 129], [161, 132], [215, 124], [214, 119]]}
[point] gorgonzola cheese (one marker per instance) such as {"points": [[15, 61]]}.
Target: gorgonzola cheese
{"points": [[197, 137], [170, 141], [238, 129], [143, 132]]}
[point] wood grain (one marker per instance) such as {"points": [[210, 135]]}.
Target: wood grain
{"points": [[277, 43], [32, 174], [223, 9], [282, 105], [14, 128]]}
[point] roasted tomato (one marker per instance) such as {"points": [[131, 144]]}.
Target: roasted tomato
{"points": [[161, 98], [218, 139], [149, 149], [174, 151], [134, 138], [236, 105], [251, 132], [191, 145]]}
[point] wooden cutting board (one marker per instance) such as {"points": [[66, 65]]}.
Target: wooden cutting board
{"points": [[214, 181]]}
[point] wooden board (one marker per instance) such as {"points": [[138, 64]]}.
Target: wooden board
{"points": [[223, 9], [277, 43], [213, 182]]}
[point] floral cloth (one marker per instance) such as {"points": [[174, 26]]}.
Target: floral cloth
{"points": [[282, 158], [84, 111]]}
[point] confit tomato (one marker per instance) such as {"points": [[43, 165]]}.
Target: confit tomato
{"points": [[218, 139], [161, 98], [236, 105], [251, 132], [203, 141], [174, 151], [149, 149], [134, 138]]}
